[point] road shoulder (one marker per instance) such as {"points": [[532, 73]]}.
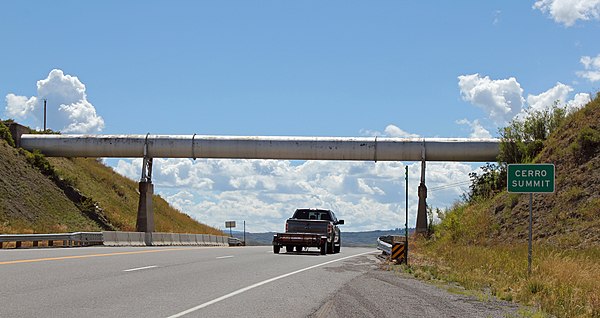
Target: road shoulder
{"points": [[382, 293]]}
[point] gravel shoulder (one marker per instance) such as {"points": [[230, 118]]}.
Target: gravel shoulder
{"points": [[380, 293]]}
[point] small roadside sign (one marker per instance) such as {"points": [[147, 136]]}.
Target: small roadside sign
{"points": [[530, 178], [229, 224]]}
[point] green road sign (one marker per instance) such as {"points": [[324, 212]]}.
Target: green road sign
{"points": [[530, 178]]}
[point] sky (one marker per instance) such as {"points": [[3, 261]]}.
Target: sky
{"points": [[296, 68]]}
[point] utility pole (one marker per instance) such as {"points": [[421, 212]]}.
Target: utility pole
{"points": [[44, 115], [406, 222]]}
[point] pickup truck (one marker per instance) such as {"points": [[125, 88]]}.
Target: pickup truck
{"points": [[310, 228]]}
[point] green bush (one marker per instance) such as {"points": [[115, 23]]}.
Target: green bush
{"points": [[39, 161], [523, 139], [586, 144], [6, 135]]}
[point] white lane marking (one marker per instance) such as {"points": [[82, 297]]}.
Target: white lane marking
{"points": [[245, 289], [139, 268], [222, 257]]}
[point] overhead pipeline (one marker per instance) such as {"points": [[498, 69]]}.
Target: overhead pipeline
{"points": [[265, 147]]}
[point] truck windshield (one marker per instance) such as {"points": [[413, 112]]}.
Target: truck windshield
{"points": [[312, 215]]}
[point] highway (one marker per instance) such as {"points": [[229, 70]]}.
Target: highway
{"points": [[173, 281]]}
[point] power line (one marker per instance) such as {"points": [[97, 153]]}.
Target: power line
{"points": [[450, 185]]}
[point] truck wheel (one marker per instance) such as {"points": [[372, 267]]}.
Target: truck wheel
{"points": [[289, 248], [330, 248], [324, 248], [276, 249], [337, 248], [299, 248]]}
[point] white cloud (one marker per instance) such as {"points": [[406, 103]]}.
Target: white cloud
{"points": [[389, 131], [557, 94], [503, 100], [394, 131], [592, 68], [568, 12], [580, 100], [500, 99], [545, 100], [19, 106], [367, 195], [478, 131], [68, 109]]}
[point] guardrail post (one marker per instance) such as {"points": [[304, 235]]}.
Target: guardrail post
{"points": [[35, 243], [50, 243], [18, 244]]}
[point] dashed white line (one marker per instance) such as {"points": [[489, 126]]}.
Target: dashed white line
{"points": [[139, 268], [222, 257], [245, 289]]}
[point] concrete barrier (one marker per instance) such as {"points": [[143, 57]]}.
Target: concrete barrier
{"points": [[136, 238], [122, 239], [187, 239], [158, 239], [109, 238]]}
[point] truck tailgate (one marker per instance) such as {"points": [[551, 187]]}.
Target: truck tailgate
{"points": [[298, 239], [307, 226]]}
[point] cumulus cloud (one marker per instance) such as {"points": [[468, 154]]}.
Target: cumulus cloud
{"points": [[478, 131], [568, 12], [558, 95], [389, 131], [367, 195], [68, 109], [592, 68], [501, 99]]}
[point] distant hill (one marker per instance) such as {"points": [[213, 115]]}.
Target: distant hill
{"points": [[365, 239], [49, 195]]}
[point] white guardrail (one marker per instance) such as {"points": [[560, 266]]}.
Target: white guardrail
{"points": [[116, 238], [383, 245]]}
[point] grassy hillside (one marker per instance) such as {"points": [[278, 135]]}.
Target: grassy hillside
{"points": [[118, 197], [483, 244], [48, 195], [32, 203]]}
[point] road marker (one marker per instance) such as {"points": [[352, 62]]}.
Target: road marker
{"points": [[223, 257], [139, 268]]}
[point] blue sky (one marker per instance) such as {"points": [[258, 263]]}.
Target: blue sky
{"points": [[335, 68]]}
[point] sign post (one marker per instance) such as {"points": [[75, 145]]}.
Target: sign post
{"points": [[230, 224], [530, 178]]}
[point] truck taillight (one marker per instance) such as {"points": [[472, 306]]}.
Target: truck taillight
{"points": [[286, 226], [329, 228]]}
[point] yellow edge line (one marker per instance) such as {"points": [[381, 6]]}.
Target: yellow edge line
{"points": [[88, 256]]}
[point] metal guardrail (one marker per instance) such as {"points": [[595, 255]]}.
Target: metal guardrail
{"points": [[68, 239], [117, 238], [384, 246], [385, 243]]}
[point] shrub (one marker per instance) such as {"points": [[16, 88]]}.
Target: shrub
{"points": [[586, 144], [523, 139], [6, 135]]}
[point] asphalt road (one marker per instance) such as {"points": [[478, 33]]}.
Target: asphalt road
{"points": [[169, 281], [209, 282]]}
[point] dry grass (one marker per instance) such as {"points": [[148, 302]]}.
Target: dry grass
{"points": [[563, 283], [118, 197]]}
